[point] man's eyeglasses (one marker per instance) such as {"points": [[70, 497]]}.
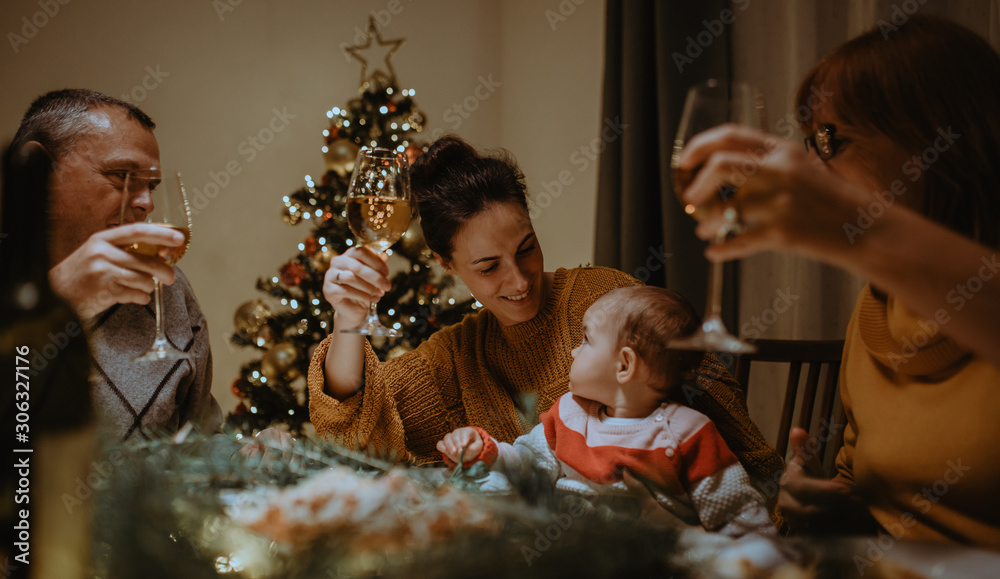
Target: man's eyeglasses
{"points": [[824, 141]]}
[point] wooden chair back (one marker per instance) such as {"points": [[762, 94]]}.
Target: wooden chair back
{"points": [[815, 354]]}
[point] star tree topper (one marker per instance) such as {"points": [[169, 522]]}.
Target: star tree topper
{"points": [[388, 47]]}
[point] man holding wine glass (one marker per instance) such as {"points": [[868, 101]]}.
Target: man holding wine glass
{"points": [[95, 141]]}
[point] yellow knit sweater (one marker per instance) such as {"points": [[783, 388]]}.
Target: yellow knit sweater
{"points": [[923, 425], [471, 372]]}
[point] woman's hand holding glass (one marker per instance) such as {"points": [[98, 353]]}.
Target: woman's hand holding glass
{"points": [[354, 280], [788, 198]]}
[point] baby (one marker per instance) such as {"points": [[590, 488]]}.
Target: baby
{"points": [[616, 432]]}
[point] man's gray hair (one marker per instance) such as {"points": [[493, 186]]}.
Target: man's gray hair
{"points": [[57, 119]]}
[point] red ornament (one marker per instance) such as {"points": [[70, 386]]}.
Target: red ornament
{"points": [[292, 273], [391, 107], [429, 289], [241, 408], [327, 216], [311, 245], [432, 320], [236, 388]]}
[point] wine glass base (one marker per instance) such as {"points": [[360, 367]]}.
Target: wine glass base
{"points": [[373, 330], [713, 343], [164, 354]]}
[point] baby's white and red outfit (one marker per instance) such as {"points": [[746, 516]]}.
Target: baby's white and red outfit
{"points": [[675, 452]]}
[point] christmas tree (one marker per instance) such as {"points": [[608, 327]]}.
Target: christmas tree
{"points": [[294, 317]]}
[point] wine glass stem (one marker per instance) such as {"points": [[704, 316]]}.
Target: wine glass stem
{"points": [[713, 307], [158, 308], [372, 308], [372, 314]]}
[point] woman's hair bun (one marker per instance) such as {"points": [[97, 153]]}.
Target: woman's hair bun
{"points": [[453, 182], [446, 151]]}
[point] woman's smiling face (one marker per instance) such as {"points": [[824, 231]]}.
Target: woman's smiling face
{"points": [[498, 257]]}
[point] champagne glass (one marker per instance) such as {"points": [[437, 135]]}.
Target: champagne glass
{"points": [[169, 209], [378, 212], [710, 104]]}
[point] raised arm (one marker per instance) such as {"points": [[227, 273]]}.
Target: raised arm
{"points": [[405, 406], [352, 282], [792, 202]]}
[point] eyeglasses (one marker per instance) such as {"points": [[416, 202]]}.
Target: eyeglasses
{"points": [[824, 141]]}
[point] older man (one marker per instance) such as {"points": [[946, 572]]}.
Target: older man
{"points": [[95, 140]]}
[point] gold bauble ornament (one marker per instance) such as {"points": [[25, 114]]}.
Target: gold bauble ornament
{"points": [[279, 360], [321, 259], [251, 316], [413, 239], [340, 155]]}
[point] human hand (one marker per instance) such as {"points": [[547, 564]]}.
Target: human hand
{"points": [[465, 438], [807, 499], [355, 279], [101, 273], [786, 198]]}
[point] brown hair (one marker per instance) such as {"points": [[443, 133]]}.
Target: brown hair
{"points": [[909, 83], [453, 182], [647, 318], [57, 118]]}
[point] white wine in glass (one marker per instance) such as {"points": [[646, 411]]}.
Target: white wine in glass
{"points": [[378, 212], [165, 191], [710, 104]]}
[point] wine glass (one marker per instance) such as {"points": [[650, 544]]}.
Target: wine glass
{"points": [[710, 104], [169, 209], [378, 212]]}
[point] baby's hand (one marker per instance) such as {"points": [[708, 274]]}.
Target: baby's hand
{"points": [[462, 438]]}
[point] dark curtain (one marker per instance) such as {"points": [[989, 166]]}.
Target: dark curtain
{"points": [[654, 51]]}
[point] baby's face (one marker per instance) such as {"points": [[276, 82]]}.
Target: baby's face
{"points": [[596, 359]]}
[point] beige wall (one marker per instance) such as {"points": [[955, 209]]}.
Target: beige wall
{"points": [[223, 76]]}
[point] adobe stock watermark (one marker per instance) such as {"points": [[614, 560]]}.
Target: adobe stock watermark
{"points": [[760, 324], [224, 7], [899, 17], [788, 125], [814, 444], [915, 168], [463, 109], [753, 329], [923, 501], [154, 77], [582, 158], [84, 488], [713, 29], [248, 148], [561, 522], [959, 297], [33, 24], [566, 8], [656, 259]]}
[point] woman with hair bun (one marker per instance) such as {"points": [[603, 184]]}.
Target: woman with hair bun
{"points": [[474, 211], [902, 188]]}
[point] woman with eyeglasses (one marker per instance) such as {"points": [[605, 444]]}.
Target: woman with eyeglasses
{"points": [[899, 183]]}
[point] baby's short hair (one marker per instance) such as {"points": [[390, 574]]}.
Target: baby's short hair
{"points": [[646, 318]]}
